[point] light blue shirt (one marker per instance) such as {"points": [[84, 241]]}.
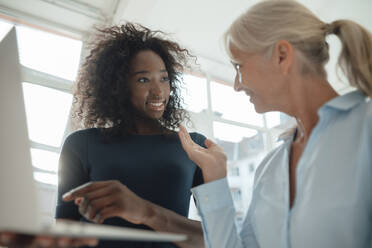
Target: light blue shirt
{"points": [[333, 204]]}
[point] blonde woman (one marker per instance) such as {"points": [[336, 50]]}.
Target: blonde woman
{"points": [[315, 190]]}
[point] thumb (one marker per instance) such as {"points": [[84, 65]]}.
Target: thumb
{"points": [[209, 143]]}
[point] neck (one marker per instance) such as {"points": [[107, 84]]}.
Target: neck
{"points": [[309, 95], [148, 126]]}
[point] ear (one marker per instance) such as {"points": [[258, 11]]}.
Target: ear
{"points": [[283, 56]]}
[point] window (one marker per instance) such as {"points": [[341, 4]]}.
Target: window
{"points": [[4, 28], [47, 113], [234, 171], [232, 133], [49, 53], [245, 135], [235, 106], [44, 160], [194, 93], [237, 194]]}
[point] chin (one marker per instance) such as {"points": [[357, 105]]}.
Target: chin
{"points": [[155, 116], [260, 109]]}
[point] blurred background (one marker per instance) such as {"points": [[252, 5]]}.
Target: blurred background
{"points": [[52, 40]]}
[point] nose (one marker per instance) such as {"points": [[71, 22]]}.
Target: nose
{"points": [[156, 88], [237, 85]]}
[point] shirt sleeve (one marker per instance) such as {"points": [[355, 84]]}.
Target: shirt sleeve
{"points": [[71, 174], [216, 209]]}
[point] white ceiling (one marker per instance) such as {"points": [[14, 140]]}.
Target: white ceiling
{"points": [[199, 24], [196, 24]]}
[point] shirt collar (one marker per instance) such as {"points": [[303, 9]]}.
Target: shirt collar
{"points": [[345, 102], [288, 134]]}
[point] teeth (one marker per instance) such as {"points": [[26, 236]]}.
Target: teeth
{"points": [[156, 104]]}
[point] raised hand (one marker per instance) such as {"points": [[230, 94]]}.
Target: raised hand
{"points": [[211, 160], [98, 201]]}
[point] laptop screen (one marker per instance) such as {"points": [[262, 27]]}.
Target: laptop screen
{"points": [[19, 205]]}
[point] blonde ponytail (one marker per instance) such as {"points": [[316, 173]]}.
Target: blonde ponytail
{"points": [[355, 59]]}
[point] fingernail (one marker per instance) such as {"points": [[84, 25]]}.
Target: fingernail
{"points": [[96, 219], [78, 201]]}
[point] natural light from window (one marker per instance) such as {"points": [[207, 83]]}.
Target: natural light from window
{"points": [[45, 160], [4, 29], [47, 178], [47, 112], [194, 93], [49, 53], [231, 133], [233, 105]]}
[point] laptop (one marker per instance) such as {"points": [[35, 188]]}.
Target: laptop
{"points": [[19, 205]]}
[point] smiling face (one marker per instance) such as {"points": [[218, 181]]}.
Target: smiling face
{"points": [[260, 78], [149, 84]]}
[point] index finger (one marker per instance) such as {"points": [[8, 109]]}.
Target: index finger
{"points": [[82, 190]]}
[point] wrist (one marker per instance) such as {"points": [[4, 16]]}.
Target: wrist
{"points": [[210, 175], [153, 216]]}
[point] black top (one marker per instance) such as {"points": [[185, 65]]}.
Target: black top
{"points": [[155, 167]]}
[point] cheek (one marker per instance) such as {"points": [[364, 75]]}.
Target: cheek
{"points": [[267, 79], [167, 90], [137, 98]]}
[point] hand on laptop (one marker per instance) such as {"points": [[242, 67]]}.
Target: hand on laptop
{"points": [[17, 240], [98, 201]]}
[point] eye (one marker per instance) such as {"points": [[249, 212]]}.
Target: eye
{"points": [[165, 79], [143, 80]]}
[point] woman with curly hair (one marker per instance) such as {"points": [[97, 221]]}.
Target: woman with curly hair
{"points": [[129, 158]]}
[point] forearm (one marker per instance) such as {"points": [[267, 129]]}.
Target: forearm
{"points": [[162, 219], [217, 211]]}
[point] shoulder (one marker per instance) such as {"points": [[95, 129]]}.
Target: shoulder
{"points": [[369, 112], [369, 117], [362, 115], [80, 137], [198, 138]]}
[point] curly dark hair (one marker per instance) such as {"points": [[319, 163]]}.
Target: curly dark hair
{"points": [[101, 93]]}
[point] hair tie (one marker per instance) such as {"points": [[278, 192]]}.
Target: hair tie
{"points": [[332, 28], [328, 29]]}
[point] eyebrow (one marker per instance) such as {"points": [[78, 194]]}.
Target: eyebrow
{"points": [[146, 72]]}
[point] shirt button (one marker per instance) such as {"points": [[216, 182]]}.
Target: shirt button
{"points": [[206, 198]]}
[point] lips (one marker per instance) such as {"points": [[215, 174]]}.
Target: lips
{"points": [[156, 105], [248, 92]]}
